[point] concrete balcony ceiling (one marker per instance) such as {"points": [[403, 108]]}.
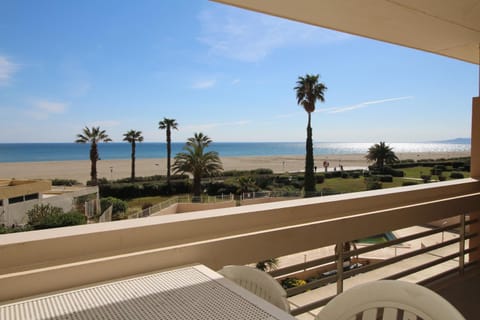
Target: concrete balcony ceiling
{"points": [[447, 28]]}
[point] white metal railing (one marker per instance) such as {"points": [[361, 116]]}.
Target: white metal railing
{"points": [[333, 270], [270, 194], [155, 208]]}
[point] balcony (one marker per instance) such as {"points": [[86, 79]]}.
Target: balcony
{"points": [[45, 261]]}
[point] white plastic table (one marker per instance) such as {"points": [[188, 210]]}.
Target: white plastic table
{"points": [[194, 292]]}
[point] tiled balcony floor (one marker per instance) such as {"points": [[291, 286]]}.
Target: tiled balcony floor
{"points": [[462, 291]]}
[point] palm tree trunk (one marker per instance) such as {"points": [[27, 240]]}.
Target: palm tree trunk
{"points": [[133, 162], [197, 187], [309, 177], [169, 154], [93, 159]]}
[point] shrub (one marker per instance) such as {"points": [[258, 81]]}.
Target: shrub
{"points": [[264, 180], [119, 207], [438, 169], [14, 228], [41, 215], [373, 183], [71, 218], [217, 188], [143, 189], [426, 177], [345, 175], [47, 216], [298, 183], [235, 173], [262, 171], [409, 183], [283, 180], [456, 175], [384, 178], [442, 178], [64, 182], [320, 178], [390, 171], [292, 282]]}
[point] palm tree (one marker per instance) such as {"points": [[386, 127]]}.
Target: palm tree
{"points": [[382, 154], [247, 184], [197, 161], [267, 265], [168, 124], [133, 136], [93, 136], [308, 91]]}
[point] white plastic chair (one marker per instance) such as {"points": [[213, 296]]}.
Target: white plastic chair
{"points": [[389, 300], [258, 282]]}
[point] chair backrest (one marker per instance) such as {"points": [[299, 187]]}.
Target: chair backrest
{"points": [[389, 300], [258, 282]]}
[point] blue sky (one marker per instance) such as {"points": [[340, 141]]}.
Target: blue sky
{"points": [[223, 71]]}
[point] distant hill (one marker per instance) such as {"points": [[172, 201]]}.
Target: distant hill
{"points": [[456, 140]]}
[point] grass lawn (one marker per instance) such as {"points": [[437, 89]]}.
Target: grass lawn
{"points": [[341, 185], [417, 172]]}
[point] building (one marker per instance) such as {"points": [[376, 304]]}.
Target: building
{"points": [[19, 196]]}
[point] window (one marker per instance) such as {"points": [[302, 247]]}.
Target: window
{"points": [[31, 196], [15, 199]]}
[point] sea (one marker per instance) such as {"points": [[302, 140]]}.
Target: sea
{"points": [[27, 152]]}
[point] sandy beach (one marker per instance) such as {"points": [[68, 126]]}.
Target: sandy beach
{"points": [[116, 169]]}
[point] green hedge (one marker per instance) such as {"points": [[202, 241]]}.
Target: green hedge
{"points": [[142, 189], [64, 182], [456, 175]]}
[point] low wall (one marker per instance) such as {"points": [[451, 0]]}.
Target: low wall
{"points": [[189, 207], [246, 202], [15, 214], [168, 210], [192, 207]]}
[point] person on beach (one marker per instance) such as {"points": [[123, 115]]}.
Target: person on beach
{"points": [[325, 165]]}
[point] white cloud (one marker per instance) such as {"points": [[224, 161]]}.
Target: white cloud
{"points": [[250, 37], [7, 69], [204, 84], [42, 109], [361, 105], [50, 106]]}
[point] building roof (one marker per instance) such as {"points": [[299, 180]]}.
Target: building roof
{"points": [[449, 28]]}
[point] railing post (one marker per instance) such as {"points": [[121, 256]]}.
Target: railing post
{"points": [[461, 258], [339, 252]]}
